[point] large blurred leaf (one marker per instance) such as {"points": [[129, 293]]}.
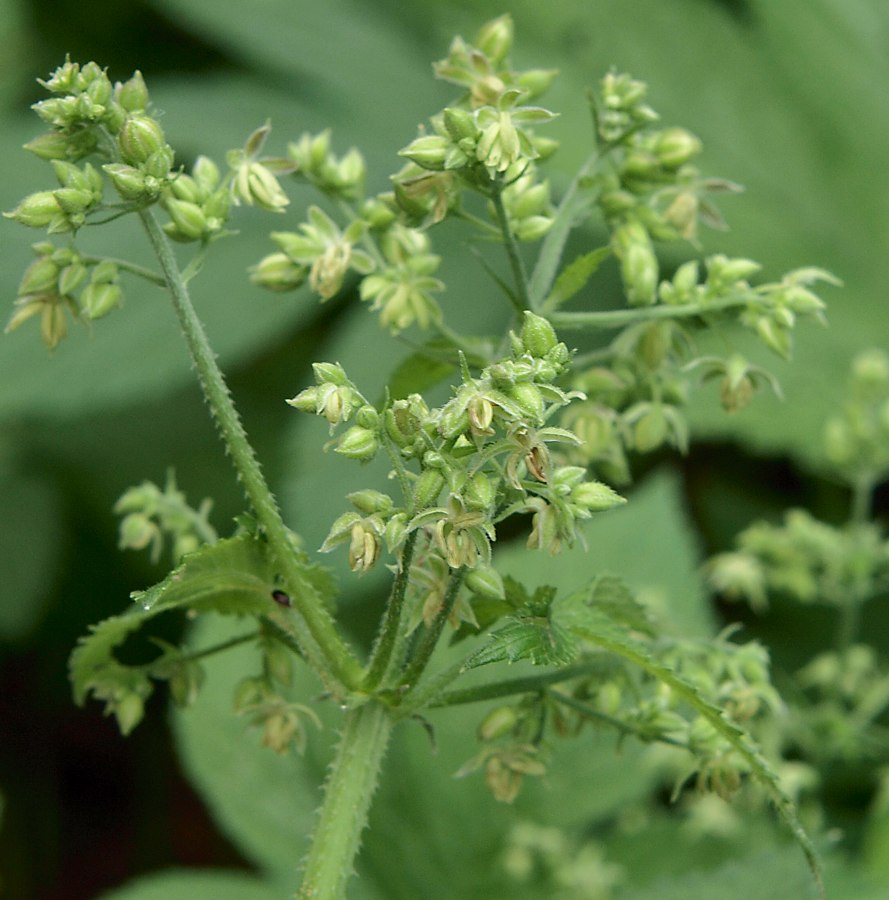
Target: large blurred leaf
{"points": [[648, 542], [182, 884], [265, 803]]}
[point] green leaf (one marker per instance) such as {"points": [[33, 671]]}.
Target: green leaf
{"points": [[422, 370], [648, 542], [266, 803], [540, 639], [182, 884], [610, 595], [232, 577], [574, 277]]}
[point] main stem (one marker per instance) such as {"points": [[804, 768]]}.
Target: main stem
{"points": [[319, 640], [350, 785]]}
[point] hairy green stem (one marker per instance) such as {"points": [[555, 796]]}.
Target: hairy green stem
{"points": [[320, 642], [521, 299], [429, 641], [618, 318], [391, 625], [126, 266], [509, 687], [348, 791]]}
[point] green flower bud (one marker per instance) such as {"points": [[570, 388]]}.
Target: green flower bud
{"points": [[184, 187], [774, 336], [370, 502], [595, 496], [98, 299], [723, 272], [368, 417], [529, 398], [498, 723], [428, 151], [73, 201], [494, 38], [105, 272], [650, 430], [187, 218], [129, 182], [57, 145], [617, 203], [639, 269], [305, 401], [132, 95], [538, 336], [159, 164], [71, 278], [427, 488], [460, 124], [278, 272], [533, 228], [537, 82], [185, 684], [42, 275], [358, 443], [37, 210], [330, 373], [675, 147], [395, 531], [139, 137], [486, 582], [480, 492], [278, 662]]}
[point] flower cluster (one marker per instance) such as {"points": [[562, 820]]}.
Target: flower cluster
{"points": [[485, 450]]}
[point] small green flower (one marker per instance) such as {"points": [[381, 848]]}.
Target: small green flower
{"points": [[328, 252], [253, 178]]}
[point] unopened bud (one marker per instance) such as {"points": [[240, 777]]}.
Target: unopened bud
{"points": [[187, 219], [428, 151], [676, 146], [497, 723], [98, 299], [358, 443], [538, 335], [132, 95], [140, 136], [36, 210], [494, 38]]}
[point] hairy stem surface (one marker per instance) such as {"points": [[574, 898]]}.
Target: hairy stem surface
{"points": [[348, 791], [319, 640]]}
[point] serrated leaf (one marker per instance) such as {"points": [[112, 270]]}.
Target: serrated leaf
{"points": [[611, 595], [574, 277], [93, 657], [232, 577], [535, 633]]}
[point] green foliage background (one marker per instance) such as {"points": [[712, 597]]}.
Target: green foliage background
{"points": [[789, 100]]}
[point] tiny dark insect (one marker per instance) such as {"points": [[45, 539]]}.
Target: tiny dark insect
{"points": [[281, 597]]}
